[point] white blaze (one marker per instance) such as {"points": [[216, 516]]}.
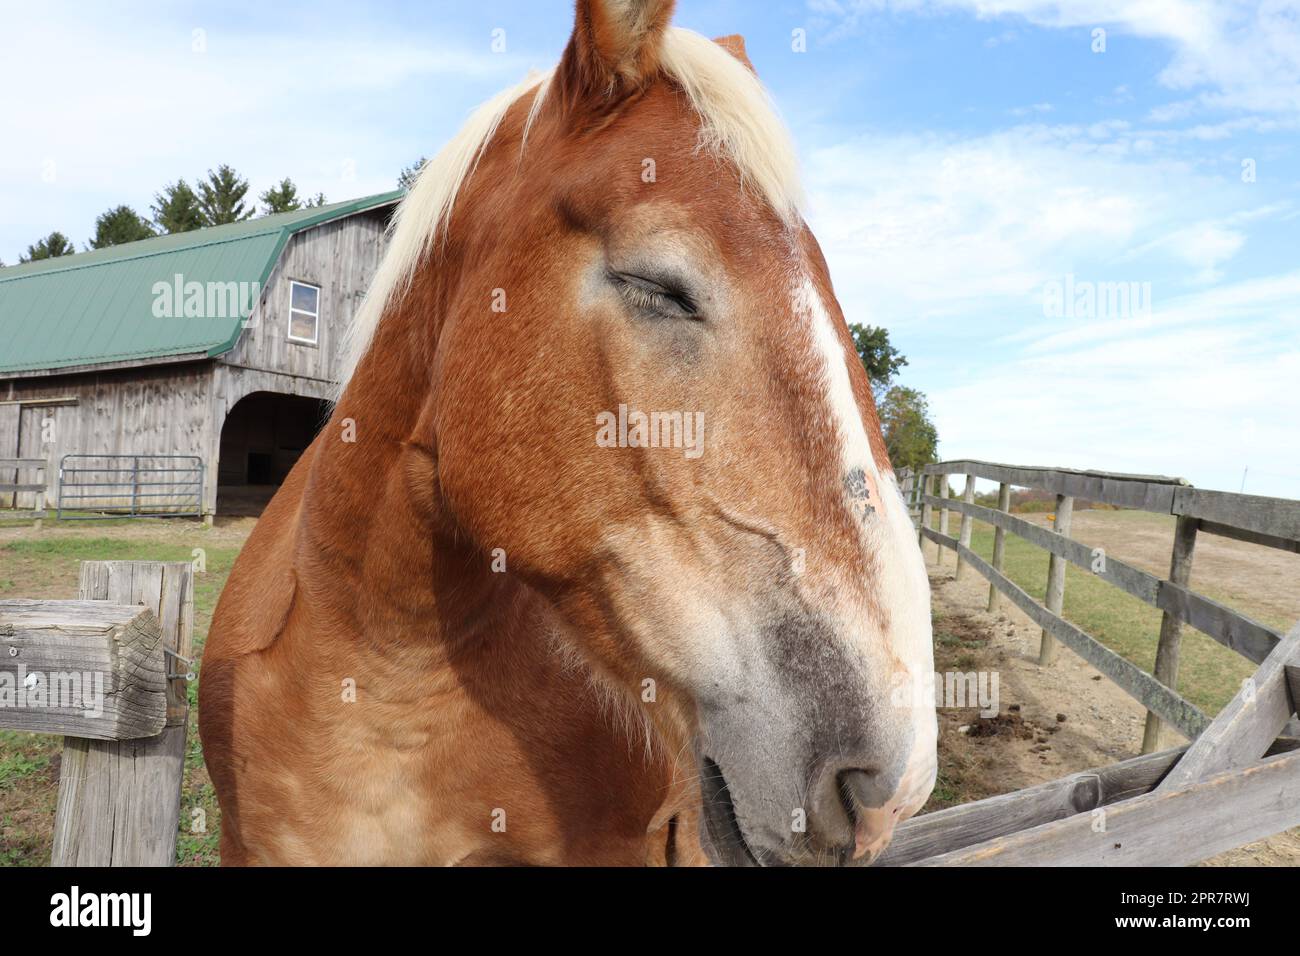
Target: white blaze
{"points": [[901, 584]]}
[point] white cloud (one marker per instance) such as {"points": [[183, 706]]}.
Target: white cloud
{"points": [[1270, 301], [1203, 246], [1202, 403], [1238, 55], [933, 225]]}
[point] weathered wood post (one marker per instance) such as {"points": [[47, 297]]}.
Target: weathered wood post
{"points": [[968, 496], [1248, 724], [942, 478], [38, 522], [119, 800], [1171, 628], [1056, 579], [927, 511], [999, 544], [90, 668], [38, 514], [907, 486], [36, 487]]}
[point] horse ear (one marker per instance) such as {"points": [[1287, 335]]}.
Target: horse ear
{"points": [[615, 47], [735, 45]]}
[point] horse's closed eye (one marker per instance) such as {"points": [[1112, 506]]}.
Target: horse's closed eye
{"points": [[649, 295]]}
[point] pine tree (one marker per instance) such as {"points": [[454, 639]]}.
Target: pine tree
{"points": [[118, 225], [221, 197], [176, 208], [406, 178], [281, 198], [318, 201], [54, 245]]}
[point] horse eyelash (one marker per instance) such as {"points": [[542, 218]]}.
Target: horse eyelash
{"points": [[656, 301]]}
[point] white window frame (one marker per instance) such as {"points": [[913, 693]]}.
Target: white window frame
{"points": [[315, 315]]}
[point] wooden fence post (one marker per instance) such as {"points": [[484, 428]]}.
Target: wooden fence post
{"points": [[10, 491], [100, 664], [120, 800], [943, 517], [1248, 724], [927, 512], [1171, 628], [1056, 578], [968, 496], [999, 544], [38, 515]]}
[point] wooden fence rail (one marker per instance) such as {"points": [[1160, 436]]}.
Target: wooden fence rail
{"points": [[1238, 782], [1270, 522], [110, 672]]}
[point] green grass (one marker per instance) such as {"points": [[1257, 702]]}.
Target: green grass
{"points": [[1209, 674], [50, 564], [19, 759], [63, 556]]}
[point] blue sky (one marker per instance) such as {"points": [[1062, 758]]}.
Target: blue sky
{"points": [[963, 158]]}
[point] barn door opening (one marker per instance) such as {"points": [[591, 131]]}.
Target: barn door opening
{"points": [[261, 440]]}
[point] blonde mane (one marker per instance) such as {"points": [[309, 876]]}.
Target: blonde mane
{"points": [[738, 123]]}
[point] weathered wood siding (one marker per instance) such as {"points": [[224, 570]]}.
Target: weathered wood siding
{"points": [[341, 258], [154, 410]]}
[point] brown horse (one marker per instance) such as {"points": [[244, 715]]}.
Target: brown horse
{"points": [[600, 559]]}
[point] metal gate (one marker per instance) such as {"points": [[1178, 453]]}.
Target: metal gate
{"points": [[130, 486]]}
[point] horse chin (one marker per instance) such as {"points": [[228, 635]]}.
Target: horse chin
{"points": [[725, 840]]}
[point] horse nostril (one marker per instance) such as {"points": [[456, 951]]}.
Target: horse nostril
{"points": [[864, 789], [853, 810], [868, 797]]}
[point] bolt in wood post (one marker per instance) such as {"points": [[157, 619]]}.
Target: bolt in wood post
{"points": [[1056, 579], [1171, 628], [999, 544], [968, 496]]}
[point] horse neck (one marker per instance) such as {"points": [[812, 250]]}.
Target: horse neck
{"points": [[375, 528]]}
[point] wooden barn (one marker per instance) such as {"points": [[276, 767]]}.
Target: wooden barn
{"points": [[184, 373]]}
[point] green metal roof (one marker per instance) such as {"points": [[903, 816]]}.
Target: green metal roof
{"points": [[98, 307]]}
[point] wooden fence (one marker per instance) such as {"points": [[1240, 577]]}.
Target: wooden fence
{"points": [[110, 672], [35, 485], [120, 783], [1239, 780], [1269, 522]]}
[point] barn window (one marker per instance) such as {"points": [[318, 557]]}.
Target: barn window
{"points": [[304, 313]]}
